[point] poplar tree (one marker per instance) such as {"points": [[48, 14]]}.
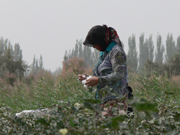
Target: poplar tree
{"points": [[178, 43], [174, 64], [76, 50], [8, 60], [151, 49], [41, 62], [80, 48], [17, 52], [132, 53], [73, 53], [37, 65], [11, 59], [66, 56], [170, 47], [34, 64], [95, 56], [159, 50], [141, 49], [87, 56]]}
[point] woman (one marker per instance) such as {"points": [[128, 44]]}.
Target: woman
{"points": [[110, 73]]}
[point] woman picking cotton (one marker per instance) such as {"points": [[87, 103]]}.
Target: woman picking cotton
{"points": [[110, 73]]}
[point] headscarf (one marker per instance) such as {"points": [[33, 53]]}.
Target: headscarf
{"points": [[101, 35]]}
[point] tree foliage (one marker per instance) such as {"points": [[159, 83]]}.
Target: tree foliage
{"points": [[149, 54], [170, 47], [151, 60], [74, 65], [143, 51], [174, 64], [87, 53], [160, 50], [132, 59], [37, 65], [11, 59], [170, 68], [178, 43], [151, 48]]}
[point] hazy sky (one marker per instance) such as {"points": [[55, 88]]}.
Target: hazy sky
{"points": [[49, 27]]}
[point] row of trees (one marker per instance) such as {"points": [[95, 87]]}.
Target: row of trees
{"points": [[162, 54], [11, 61], [12, 65], [37, 65], [146, 58], [170, 68], [87, 53]]}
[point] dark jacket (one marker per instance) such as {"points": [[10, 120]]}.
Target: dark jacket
{"points": [[112, 72]]}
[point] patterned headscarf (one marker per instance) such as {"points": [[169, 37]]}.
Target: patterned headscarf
{"points": [[101, 35]]}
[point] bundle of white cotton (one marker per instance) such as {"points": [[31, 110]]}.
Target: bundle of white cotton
{"points": [[23, 113], [84, 81], [38, 113]]}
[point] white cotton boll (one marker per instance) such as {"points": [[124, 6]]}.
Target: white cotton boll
{"points": [[122, 112], [88, 77], [85, 86], [84, 81]]}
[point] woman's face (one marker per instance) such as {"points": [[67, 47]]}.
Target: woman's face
{"points": [[98, 47]]}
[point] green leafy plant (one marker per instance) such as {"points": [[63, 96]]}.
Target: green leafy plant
{"points": [[65, 104]]}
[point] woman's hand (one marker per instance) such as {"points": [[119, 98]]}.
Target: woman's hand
{"points": [[82, 76], [92, 81]]}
